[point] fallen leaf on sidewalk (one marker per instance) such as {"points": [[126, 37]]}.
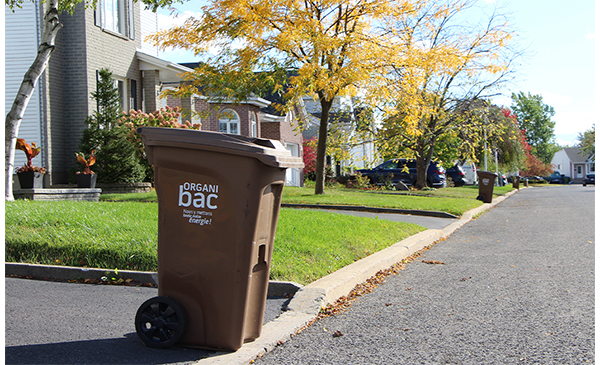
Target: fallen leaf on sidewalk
{"points": [[433, 262], [337, 334]]}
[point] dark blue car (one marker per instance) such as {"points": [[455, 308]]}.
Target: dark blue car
{"points": [[457, 174], [405, 170]]}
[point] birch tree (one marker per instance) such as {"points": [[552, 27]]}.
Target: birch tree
{"points": [[50, 28]]}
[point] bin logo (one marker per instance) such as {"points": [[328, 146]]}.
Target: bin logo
{"points": [[196, 195]]}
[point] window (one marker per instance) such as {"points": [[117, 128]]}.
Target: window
{"points": [[121, 85], [116, 16], [253, 125], [113, 15], [229, 122]]}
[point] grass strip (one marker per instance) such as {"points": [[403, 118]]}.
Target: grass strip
{"points": [[371, 199], [311, 244], [78, 233], [308, 244]]}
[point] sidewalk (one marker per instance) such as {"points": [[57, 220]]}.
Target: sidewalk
{"points": [[302, 309]]}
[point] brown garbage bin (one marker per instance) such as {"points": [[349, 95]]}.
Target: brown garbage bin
{"points": [[218, 204], [486, 185], [515, 181]]}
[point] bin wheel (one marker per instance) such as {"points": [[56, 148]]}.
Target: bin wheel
{"points": [[160, 322]]}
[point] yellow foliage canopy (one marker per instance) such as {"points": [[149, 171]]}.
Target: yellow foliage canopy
{"points": [[334, 45]]}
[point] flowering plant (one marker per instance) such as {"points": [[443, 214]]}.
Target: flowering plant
{"points": [[86, 162], [166, 117], [30, 151]]}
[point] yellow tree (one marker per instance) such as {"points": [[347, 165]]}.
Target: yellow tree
{"points": [[323, 48], [434, 85]]}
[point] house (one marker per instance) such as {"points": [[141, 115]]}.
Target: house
{"points": [[110, 36], [574, 163], [343, 113]]}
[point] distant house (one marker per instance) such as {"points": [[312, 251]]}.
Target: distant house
{"points": [[344, 111], [574, 163], [252, 117]]}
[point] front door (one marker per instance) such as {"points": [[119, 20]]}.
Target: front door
{"points": [[579, 172]]}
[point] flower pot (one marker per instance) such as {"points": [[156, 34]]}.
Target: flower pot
{"points": [[86, 180], [31, 180]]}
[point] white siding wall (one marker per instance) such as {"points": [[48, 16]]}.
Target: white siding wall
{"points": [[561, 160], [21, 42], [149, 25]]}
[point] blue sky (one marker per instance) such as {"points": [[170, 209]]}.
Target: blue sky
{"points": [[559, 38]]}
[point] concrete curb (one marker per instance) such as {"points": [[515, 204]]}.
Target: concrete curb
{"points": [[308, 301], [276, 288]]}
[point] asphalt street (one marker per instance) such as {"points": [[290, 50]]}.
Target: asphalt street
{"points": [[68, 323], [515, 286]]}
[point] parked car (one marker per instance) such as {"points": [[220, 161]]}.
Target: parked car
{"points": [[555, 178], [470, 173], [405, 170], [502, 180], [457, 174], [589, 179]]}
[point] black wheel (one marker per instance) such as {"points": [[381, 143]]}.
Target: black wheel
{"points": [[160, 322]]}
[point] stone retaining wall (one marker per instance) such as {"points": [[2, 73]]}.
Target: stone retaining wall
{"points": [[58, 194], [144, 187]]}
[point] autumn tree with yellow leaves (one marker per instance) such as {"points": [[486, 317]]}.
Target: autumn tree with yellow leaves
{"points": [[406, 58], [437, 85], [323, 48]]}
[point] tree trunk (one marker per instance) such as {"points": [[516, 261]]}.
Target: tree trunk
{"points": [[423, 161], [15, 115], [322, 145]]}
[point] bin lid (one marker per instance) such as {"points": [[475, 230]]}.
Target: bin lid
{"points": [[268, 151]]}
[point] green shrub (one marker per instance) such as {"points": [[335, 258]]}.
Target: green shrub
{"points": [[116, 160]]}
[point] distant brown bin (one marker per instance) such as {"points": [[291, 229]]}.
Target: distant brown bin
{"points": [[486, 185], [218, 199], [515, 181]]}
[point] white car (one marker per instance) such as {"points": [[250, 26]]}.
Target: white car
{"points": [[470, 173]]}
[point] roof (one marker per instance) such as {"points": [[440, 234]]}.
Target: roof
{"points": [[252, 99], [169, 71], [576, 155]]}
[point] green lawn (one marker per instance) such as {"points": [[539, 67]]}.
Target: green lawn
{"points": [[451, 200], [123, 235], [121, 230]]}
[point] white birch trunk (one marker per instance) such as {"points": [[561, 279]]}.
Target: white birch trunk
{"points": [[15, 115]]}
